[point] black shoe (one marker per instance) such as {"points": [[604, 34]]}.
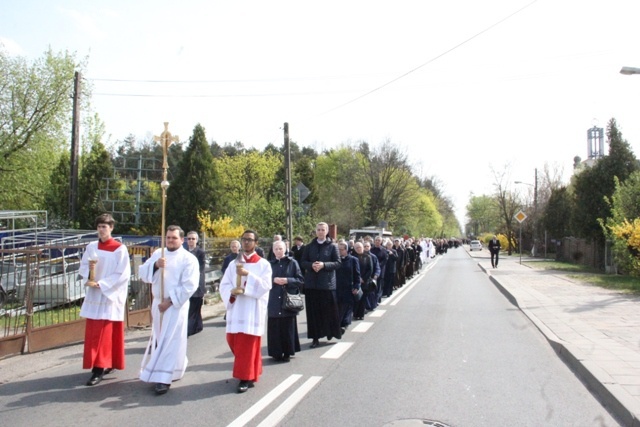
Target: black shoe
{"points": [[286, 359], [108, 371], [162, 388], [95, 379], [315, 343], [343, 330], [244, 386]]}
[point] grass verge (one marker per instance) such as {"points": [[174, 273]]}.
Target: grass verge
{"points": [[588, 275]]}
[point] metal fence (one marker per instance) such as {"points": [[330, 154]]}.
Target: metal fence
{"points": [[41, 294]]}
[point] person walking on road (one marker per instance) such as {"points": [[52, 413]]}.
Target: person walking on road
{"points": [[244, 290], [282, 325], [494, 249], [196, 300], [105, 300], [320, 261], [165, 359]]}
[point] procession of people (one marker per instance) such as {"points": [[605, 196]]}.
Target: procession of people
{"points": [[341, 282]]}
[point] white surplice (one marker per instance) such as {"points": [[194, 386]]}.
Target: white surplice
{"points": [[165, 359], [112, 272], [247, 313]]}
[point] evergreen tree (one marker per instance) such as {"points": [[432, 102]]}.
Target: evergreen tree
{"points": [[92, 185], [555, 219], [594, 185], [195, 184], [57, 195]]}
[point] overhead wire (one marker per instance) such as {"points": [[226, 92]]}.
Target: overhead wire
{"points": [[430, 60]]}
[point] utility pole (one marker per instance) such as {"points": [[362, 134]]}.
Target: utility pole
{"points": [[287, 169], [75, 148], [535, 212]]}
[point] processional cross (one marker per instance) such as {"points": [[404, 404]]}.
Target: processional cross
{"points": [[165, 139]]}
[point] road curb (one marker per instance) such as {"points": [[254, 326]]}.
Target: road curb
{"points": [[612, 396]]}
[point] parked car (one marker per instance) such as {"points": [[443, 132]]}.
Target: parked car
{"points": [[212, 280], [475, 245]]}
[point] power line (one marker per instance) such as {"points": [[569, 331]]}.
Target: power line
{"points": [[430, 60]]}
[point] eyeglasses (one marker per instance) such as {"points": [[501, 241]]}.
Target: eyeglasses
{"points": [[247, 240], [191, 238]]}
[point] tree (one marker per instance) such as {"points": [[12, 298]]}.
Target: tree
{"points": [[507, 203], [196, 184], [555, 219], [336, 179], [483, 215], [387, 182], [97, 167], [624, 224], [35, 119], [593, 185], [245, 180], [56, 197]]}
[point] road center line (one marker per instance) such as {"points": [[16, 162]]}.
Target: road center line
{"points": [[362, 327], [377, 313], [285, 407], [337, 350], [250, 413]]}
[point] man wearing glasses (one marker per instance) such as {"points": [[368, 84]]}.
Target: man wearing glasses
{"points": [[245, 292], [195, 302]]}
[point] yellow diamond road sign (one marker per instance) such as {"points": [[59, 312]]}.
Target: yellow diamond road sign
{"points": [[520, 216]]}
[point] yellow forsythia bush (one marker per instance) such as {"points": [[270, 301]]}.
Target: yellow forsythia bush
{"points": [[220, 227]]}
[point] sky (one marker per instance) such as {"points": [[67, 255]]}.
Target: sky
{"points": [[465, 88]]}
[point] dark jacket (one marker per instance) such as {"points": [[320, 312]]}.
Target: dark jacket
{"points": [[289, 268], [200, 256], [494, 248], [347, 278], [227, 261], [375, 266], [327, 252], [365, 261]]}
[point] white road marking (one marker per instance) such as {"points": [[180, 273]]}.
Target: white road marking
{"points": [[337, 350], [377, 313], [281, 411], [362, 327], [254, 410]]}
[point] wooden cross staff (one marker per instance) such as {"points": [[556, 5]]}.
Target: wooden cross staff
{"points": [[165, 139]]}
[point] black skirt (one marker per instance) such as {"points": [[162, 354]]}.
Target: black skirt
{"points": [[322, 314], [282, 336]]}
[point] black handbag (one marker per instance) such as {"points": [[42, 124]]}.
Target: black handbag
{"points": [[293, 302], [372, 286]]}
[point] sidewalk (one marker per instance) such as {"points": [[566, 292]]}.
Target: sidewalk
{"points": [[595, 331]]}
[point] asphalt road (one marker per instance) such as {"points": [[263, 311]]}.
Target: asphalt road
{"points": [[448, 347]]}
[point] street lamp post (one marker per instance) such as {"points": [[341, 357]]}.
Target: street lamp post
{"points": [[535, 207], [629, 70]]}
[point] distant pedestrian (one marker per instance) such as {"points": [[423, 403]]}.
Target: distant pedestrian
{"points": [[494, 249]]}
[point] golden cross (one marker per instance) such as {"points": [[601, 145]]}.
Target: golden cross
{"points": [[165, 139]]}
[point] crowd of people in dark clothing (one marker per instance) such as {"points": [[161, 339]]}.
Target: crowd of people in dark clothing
{"points": [[342, 281]]}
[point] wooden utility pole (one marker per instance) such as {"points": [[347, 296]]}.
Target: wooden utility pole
{"points": [[75, 148], [287, 169]]}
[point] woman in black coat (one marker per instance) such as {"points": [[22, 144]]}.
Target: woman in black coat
{"points": [[347, 285], [282, 327]]}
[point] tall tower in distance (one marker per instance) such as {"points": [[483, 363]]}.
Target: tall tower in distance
{"points": [[595, 148], [595, 143]]}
